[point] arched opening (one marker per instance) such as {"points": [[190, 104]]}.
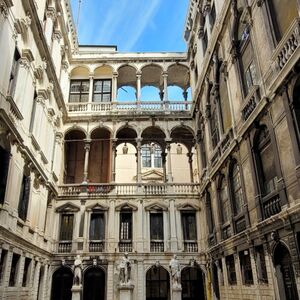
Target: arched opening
{"points": [[157, 284], [74, 156], [62, 281], [183, 153], [94, 284], [285, 273], [150, 93], [193, 284], [176, 93], [4, 166], [126, 93], [100, 156], [126, 164]]}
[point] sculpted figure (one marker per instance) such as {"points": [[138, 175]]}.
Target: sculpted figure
{"points": [[125, 269], [174, 266], [77, 271]]}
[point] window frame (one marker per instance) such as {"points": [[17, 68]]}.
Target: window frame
{"points": [[102, 93], [62, 214], [184, 224], [130, 230], [80, 93]]}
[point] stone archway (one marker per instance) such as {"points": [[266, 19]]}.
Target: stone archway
{"points": [[285, 273], [193, 284], [62, 280], [94, 284]]}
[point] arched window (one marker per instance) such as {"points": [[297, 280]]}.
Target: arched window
{"points": [[265, 162], [193, 284], [94, 284], [157, 284]]}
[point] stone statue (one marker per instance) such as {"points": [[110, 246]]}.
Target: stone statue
{"points": [[77, 271], [174, 266], [125, 270]]}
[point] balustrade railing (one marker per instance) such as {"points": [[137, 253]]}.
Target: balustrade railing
{"points": [[92, 107], [96, 246], [64, 247], [190, 246], [157, 246], [71, 190], [288, 45], [125, 246], [251, 102], [271, 205]]}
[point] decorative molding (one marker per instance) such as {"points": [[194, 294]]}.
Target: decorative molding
{"points": [[68, 207], [187, 206], [156, 207], [21, 25], [27, 54], [97, 207], [126, 206]]}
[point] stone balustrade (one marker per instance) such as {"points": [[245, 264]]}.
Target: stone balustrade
{"points": [[127, 107], [71, 190]]}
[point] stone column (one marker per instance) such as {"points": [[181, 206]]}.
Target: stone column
{"points": [[36, 277], [50, 19], [140, 238], [91, 90], [165, 79], [87, 147], [138, 89], [7, 267], [173, 226], [115, 86], [170, 176], [190, 156], [110, 280], [113, 160], [111, 227], [139, 160], [20, 274]]}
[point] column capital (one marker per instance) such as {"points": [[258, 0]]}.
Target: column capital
{"points": [[165, 74], [139, 141], [138, 74], [115, 74]]}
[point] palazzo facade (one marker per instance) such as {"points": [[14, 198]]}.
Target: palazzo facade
{"points": [[104, 192]]}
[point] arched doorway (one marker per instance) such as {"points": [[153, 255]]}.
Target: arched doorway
{"points": [[94, 284], [193, 285], [157, 284], [62, 281], [285, 273]]}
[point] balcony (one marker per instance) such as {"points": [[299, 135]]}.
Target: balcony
{"points": [[271, 205], [128, 108], [125, 246], [157, 246], [251, 102], [96, 246], [64, 247], [190, 246], [125, 189]]}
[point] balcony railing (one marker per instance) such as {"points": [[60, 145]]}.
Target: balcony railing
{"points": [[190, 246], [64, 247], [125, 246], [251, 102], [93, 190], [288, 45], [147, 106], [96, 246], [271, 205], [157, 246]]}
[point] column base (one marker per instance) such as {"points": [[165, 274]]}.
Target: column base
{"points": [[126, 291], [76, 292], [176, 292]]}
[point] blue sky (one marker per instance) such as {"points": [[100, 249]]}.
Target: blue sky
{"points": [[133, 25]]}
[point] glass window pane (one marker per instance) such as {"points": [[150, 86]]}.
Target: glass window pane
{"points": [[74, 98], [106, 86], [85, 86], [97, 97], [98, 86], [75, 87], [106, 98], [84, 98]]}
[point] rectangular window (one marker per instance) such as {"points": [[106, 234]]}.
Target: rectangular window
{"points": [[146, 156], [189, 226], [24, 198], [156, 226], [4, 165], [26, 271], [102, 90], [261, 265], [2, 264], [97, 226], [125, 226], [14, 73], [213, 16], [157, 157], [215, 137], [14, 269], [231, 269], [79, 91], [66, 227], [245, 262]]}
